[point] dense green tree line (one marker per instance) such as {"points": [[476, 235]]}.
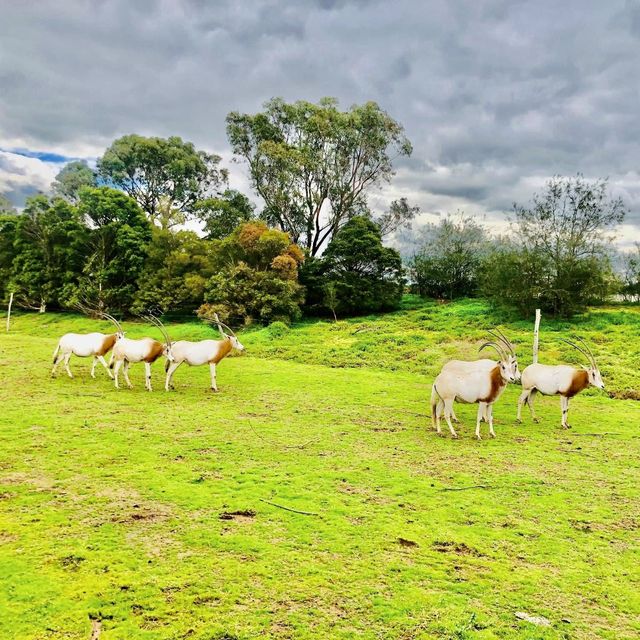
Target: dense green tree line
{"points": [[559, 257], [114, 237]]}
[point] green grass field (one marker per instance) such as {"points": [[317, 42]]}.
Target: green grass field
{"points": [[155, 514]]}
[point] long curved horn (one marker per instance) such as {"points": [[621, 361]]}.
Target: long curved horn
{"points": [[152, 319], [577, 348], [501, 338], [506, 341], [219, 323], [109, 317], [586, 346], [156, 321], [497, 347], [101, 314]]}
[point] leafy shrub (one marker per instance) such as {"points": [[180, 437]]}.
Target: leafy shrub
{"points": [[256, 278], [357, 274], [278, 329]]}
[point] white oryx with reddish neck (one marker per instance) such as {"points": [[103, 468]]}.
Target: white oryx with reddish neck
{"points": [[486, 364], [481, 386], [84, 345], [559, 380], [145, 350], [209, 352]]}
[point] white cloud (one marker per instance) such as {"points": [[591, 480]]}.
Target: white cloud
{"points": [[496, 95]]}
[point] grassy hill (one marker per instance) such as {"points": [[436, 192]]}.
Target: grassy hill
{"points": [[161, 515]]}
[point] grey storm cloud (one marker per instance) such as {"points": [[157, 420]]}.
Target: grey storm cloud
{"points": [[496, 96]]}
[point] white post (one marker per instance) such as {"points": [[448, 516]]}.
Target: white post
{"points": [[536, 332], [9, 311]]}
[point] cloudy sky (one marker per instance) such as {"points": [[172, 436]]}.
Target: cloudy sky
{"points": [[496, 96]]}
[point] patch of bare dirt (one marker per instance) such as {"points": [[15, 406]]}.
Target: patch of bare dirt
{"points": [[6, 538], [447, 546], [242, 515], [403, 542], [138, 513], [206, 600]]}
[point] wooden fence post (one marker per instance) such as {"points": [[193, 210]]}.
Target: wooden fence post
{"points": [[536, 332], [9, 311]]}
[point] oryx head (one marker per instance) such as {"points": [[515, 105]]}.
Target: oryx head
{"points": [[595, 377], [507, 364], [118, 326], [509, 351], [166, 348], [90, 311], [235, 343]]}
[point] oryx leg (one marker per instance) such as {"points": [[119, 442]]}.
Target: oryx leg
{"points": [[479, 417], [67, 357], [524, 397], [454, 417], [116, 370], [93, 366], [170, 371], [147, 376], [564, 406], [125, 372], [55, 365], [212, 367], [448, 408], [489, 412], [103, 362], [435, 410], [530, 399]]}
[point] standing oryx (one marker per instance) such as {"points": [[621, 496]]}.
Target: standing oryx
{"points": [[559, 380], [209, 352], [85, 345], [471, 385], [487, 364], [145, 350]]}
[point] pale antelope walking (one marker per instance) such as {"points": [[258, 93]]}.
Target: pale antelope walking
{"points": [[195, 354], [562, 380], [145, 350], [486, 364], [95, 345], [472, 386]]}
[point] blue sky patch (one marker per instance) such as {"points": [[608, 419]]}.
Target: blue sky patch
{"points": [[44, 156]]}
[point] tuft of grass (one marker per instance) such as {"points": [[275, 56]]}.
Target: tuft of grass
{"points": [[157, 513]]}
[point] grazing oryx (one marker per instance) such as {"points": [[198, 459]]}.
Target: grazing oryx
{"points": [[209, 352], [145, 350], [559, 380], [482, 386], [85, 345], [485, 365]]}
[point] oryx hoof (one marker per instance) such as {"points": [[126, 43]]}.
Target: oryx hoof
{"points": [[454, 435], [478, 436], [493, 435], [536, 420]]}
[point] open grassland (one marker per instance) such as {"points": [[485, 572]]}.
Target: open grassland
{"points": [[154, 513]]}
